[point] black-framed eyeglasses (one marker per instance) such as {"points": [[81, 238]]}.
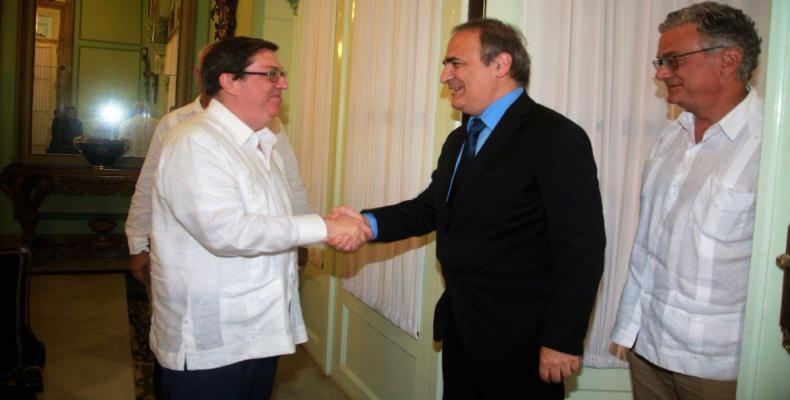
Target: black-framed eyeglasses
{"points": [[273, 75], [671, 62]]}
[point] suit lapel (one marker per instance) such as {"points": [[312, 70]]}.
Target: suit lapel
{"points": [[510, 123], [453, 147]]}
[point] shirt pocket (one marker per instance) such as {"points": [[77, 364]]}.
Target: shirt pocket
{"points": [[724, 213], [250, 307], [716, 335]]}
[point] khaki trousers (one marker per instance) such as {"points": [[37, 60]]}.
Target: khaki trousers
{"points": [[651, 382]]}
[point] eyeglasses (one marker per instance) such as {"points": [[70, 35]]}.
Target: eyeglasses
{"points": [[273, 75], [671, 62]]}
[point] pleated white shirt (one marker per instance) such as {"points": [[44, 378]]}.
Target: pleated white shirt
{"points": [[138, 221], [223, 241], [686, 289]]}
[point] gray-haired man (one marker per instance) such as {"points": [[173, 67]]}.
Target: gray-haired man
{"points": [[681, 310]]}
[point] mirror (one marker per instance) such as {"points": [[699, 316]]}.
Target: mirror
{"points": [[102, 69]]}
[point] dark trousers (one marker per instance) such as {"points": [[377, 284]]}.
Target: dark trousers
{"points": [[466, 379], [250, 379]]}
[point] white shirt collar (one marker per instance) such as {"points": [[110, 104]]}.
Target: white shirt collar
{"points": [[241, 133], [235, 128], [732, 123], [193, 108]]}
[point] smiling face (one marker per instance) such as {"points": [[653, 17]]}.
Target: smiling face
{"points": [[259, 99], [473, 85], [695, 84]]}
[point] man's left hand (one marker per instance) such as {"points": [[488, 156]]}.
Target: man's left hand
{"points": [[301, 259], [556, 366], [140, 266]]}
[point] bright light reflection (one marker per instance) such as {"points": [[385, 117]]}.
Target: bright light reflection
{"points": [[111, 113]]}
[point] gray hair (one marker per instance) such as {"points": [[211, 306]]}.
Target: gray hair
{"points": [[721, 25], [498, 37]]}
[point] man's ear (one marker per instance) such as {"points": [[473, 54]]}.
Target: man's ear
{"points": [[503, 61], [228, 83], [730, 61]]}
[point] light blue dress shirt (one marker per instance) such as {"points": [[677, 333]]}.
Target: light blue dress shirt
{"points": [[491, 117]]}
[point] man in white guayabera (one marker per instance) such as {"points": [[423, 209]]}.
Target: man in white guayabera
{"points": [[138, 222], [224, 278], [681, 311]]}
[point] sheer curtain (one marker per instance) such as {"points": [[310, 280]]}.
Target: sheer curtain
{"points": [[311, 115], [591, 62], [388, 149]]}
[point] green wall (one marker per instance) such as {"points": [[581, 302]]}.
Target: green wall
{"points": [[203, 34], [91, 49], [107, 67]]}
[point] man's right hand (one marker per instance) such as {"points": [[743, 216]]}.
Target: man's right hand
{"points": [[140, 265], [556, 366], [619, 351], [346, 232]]}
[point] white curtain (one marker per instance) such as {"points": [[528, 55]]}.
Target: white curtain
{"points": [[388, 150], [591, 62], [44, 93], [311, 114]]}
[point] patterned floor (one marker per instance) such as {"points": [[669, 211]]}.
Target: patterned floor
{"points": [[94, 327]]}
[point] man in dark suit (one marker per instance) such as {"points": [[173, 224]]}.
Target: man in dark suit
{"points": [[517, 210]]}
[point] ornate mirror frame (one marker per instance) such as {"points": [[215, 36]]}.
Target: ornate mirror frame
{"points": [[24, 83]]}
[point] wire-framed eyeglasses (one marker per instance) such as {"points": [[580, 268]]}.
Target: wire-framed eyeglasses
{"points": [[671, 61], [273, 75]]}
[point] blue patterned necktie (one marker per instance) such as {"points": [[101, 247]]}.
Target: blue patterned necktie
{"points": [[470, 147]]}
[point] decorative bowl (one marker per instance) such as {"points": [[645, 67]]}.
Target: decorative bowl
{"points": [[100, 152]]}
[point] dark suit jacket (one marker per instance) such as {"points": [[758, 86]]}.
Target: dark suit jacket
{"points": [[522, 243]]}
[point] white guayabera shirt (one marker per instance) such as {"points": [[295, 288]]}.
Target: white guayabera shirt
{"points": [[686, 289], [138, 223], [223, 240]]}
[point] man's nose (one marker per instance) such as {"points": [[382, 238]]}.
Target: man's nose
{"points": [[663, 72], [446, 74]]}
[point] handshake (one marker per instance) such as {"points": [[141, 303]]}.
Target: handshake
{"points": [[346, 229]]}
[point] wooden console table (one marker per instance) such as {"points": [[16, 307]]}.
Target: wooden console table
{"points": [[29, 184]]}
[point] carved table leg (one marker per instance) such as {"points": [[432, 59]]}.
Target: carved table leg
{"points": [[26, 192]]}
